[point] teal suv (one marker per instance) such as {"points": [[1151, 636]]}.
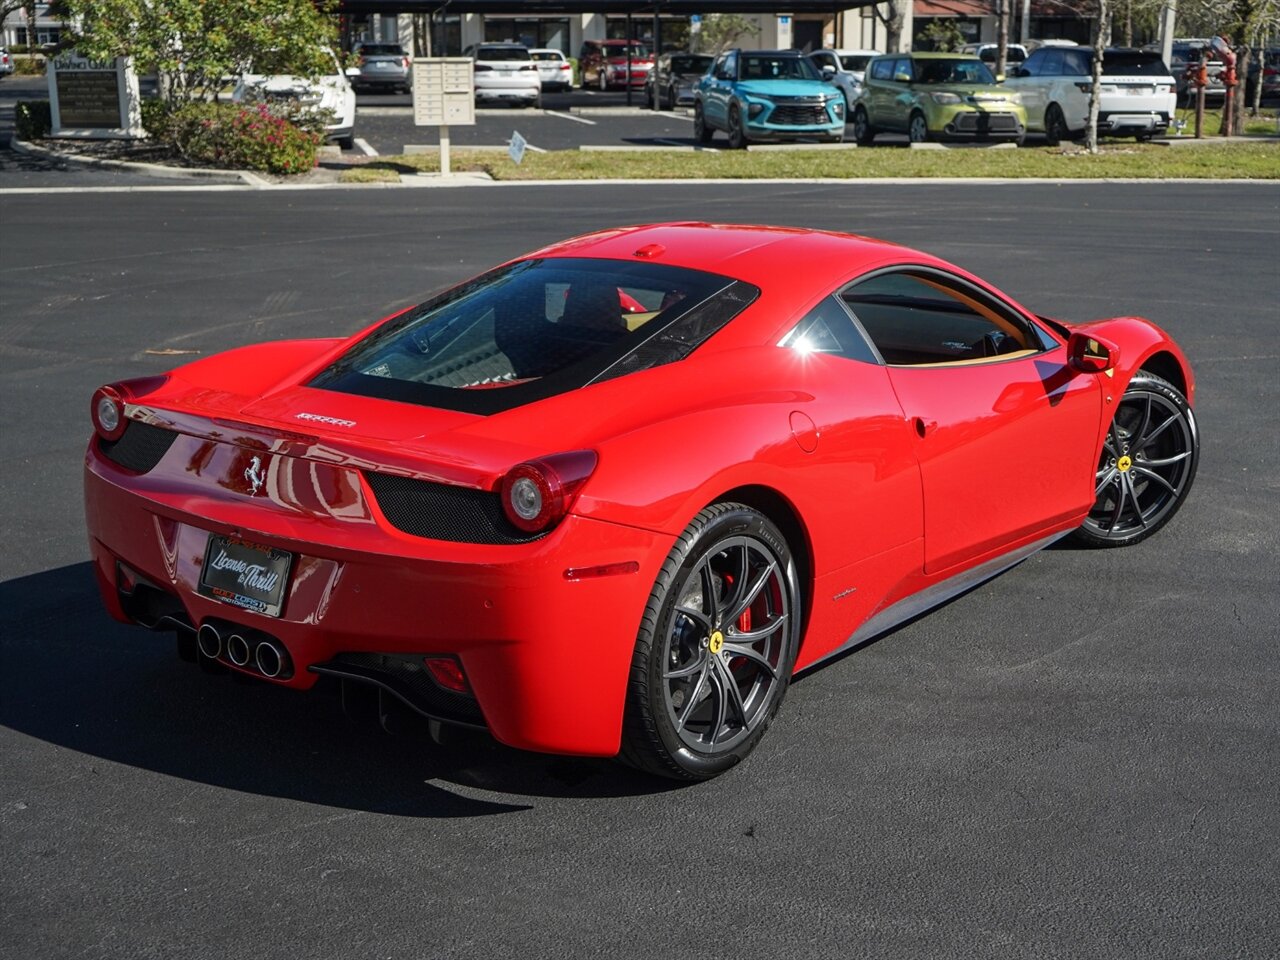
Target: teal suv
{"points": [[766, 95]]}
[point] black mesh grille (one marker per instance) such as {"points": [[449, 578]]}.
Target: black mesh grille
{"points": [[444, 512], [140, 447], [986, 122], [404, 675], [799, 115]]}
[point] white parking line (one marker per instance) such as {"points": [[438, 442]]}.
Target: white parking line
{"points": [[687, 146], [567, 116], [363, 144]]}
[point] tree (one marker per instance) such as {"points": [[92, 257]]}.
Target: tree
{"points": [[890, 14], [943, 36], [8, 7], [194, 44], [720, 31]]}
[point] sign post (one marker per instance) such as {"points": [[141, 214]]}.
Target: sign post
{"points": [[94, 99], [444, 95]]}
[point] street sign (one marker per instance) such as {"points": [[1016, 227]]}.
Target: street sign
{"points": [[516, 150]]}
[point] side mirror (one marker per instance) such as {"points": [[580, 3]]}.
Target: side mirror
{"points": [[828, 71], [1091, 354]]}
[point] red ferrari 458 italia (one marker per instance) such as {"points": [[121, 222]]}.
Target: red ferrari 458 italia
{"points": [[607, 498]]}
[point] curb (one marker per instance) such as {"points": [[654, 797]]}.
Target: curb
{"points": [[145, 169]]}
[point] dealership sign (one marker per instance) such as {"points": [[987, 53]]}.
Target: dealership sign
{"points": [[94, 99]]}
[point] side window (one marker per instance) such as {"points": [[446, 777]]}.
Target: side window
{"points": [[827, 329], [921, 318], [1052, 64], [902, 72], [1031, 67], [882, 70], [1076, 63], [730, 68]]}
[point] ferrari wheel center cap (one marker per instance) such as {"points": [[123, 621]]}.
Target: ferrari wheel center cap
{"points": [[1124, 463], [717, 641]]}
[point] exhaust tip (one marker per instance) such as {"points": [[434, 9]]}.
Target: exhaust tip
{"points": [[238, 650], [270, 659], [209, 641]]}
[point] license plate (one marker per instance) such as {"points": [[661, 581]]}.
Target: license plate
{"points": [[245, 574], [1141, 91]]}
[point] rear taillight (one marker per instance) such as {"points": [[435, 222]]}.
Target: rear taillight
{"points": [[529, 66], [107, 412], [538, 493], [447, 672], [404, 62], [106, 409], [482, 67]]}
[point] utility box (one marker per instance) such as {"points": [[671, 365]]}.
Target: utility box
{"points": [[444, 92]]}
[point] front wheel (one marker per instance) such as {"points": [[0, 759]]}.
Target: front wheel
{"points": [[863, 133], [702, 132], [918, 130], [716, 646], [737, 135], [1147, 466]]}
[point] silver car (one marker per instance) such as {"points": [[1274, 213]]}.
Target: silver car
{"points": [[383, 65]]}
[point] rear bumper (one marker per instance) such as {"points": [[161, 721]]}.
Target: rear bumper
{"points": [[1130, 121], [546, 657], [506, 94]]}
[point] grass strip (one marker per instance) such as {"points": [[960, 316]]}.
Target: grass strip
{"points": [[1239, 161]]}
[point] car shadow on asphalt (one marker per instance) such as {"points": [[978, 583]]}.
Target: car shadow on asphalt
{"points": [[71, 676]]}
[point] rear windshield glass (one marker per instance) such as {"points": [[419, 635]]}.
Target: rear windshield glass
{"points": [[1133, 64], [533, 329], [856, 62], [755, 67], [382, 50], [953, 71], [690, 64], [502, 53], [546, 56], [620, 50]]}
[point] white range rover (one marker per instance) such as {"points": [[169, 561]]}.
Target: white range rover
{"points": [[1138, 96]]}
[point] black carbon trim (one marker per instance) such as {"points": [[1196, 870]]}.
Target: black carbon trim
{"points": [[140, 447], [404, 675], [441, 511]]}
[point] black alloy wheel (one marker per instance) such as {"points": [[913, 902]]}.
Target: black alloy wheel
{"points": [[863, 133], [716, 647], [702, 131], [1148, 463], [737, 134], [1055, 125]]}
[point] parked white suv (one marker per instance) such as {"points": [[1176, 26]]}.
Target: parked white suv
{"points": [[331, 92], [505, 73], [846, 69], [1137, 96]]}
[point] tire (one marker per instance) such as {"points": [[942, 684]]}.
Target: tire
{"points": [[701, 694], [701, 129], [347, 143], [1055, 125], [1147, 466], [670, 103], [737, 135], [918, 128], [649, 101], [863, 133]]}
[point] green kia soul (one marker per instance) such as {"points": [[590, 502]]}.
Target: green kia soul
{"points": [[936, 96]]}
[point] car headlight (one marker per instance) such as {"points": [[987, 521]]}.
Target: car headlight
{"points": [[1014, 98], [945, 98], [837, 106], [754, 109]]}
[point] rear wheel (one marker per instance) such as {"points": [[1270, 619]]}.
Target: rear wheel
{"points": [[1148, 464], [918, 128], [701, 131], [716, 646], [863, 133], [670, 102], [1055, 125]]}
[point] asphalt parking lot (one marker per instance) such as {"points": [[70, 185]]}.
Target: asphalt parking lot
{"points": [[1078, 759]]}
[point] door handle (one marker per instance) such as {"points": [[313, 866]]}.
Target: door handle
{"points": [[923, 427]]}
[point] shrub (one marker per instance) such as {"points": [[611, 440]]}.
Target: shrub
{"points": [[155, 118], [32, 119], [30, 65], [252, 137]]}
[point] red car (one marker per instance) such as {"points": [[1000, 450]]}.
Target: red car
{"points": [[607, 498], [603, 64]]}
